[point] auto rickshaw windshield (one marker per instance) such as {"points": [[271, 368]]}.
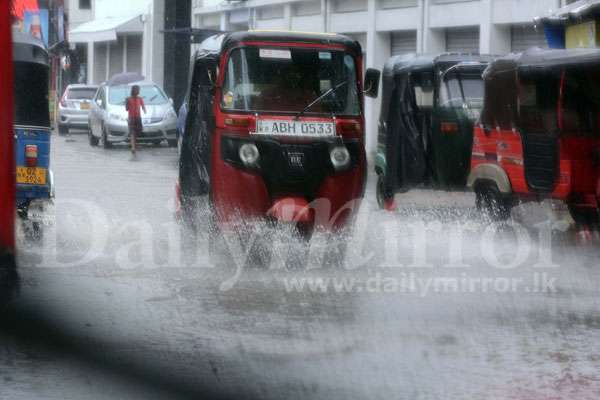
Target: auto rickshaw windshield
{"points": [[462, 90], [288, 79], [31, 94]]}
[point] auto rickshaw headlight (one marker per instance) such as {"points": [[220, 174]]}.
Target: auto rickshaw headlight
{"points": [[340, 157], [249, 154]]}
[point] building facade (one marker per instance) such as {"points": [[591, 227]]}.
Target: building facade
{"points": [[390, 27], [123, 42]]}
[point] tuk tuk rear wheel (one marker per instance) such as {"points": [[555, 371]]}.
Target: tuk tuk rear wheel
{"points": [[490, 200], [380, 191]]}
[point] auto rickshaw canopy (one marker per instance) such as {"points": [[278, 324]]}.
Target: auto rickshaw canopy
{"points": [[503, 80], [216, 45]]}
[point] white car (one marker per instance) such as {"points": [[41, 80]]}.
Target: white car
{"points": [[108, 116], [74, 107]]}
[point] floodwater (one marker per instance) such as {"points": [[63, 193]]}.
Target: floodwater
{"points": [[432, 302]]}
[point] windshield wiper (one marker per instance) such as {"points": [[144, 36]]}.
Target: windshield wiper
{"points": [[320, 98]]}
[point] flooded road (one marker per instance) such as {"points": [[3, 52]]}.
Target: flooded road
{"points": [[433, 302]]}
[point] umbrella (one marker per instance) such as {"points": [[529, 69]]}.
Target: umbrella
{"points": [[125, 78]]}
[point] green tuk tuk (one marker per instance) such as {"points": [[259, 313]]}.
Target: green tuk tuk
{"points": [[429, 106]]}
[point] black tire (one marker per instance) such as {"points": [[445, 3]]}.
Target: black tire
{"points": [[172, 142], [156, 143], [105, 143], [34, 233], [192, 181], [63, 129], [380, 191], [489, 200], [584, 216], [92, 139]]}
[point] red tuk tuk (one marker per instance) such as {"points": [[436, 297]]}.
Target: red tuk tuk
{"points": [[539, 134], [275, 129]]}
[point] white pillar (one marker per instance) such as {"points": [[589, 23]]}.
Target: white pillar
{"points": [[107, 73], [377, 52], [154, 61], [224, 21], [90, 63], [124, 53], [421, 28], [326, 12], [434, 40], [493, 39], [287, 16]]}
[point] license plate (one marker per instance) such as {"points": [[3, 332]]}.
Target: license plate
{"points": [[84, 106], [294, 128], [31, 175]]}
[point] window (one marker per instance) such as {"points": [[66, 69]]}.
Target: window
{"points": [[31, 94], [86, 93], [463, 90], [288, 80], [581, 103], [342, 6], [307, 8], [538, 99], [386, 4], [85, 4], [274, 12]]}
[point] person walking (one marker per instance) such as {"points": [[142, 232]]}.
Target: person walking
{"points": [[134, 105]]}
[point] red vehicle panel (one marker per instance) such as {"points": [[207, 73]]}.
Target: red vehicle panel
{"points": [[539, 135]]}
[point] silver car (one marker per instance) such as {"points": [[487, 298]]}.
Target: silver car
{"points": [[74, 107], [108, 117]]}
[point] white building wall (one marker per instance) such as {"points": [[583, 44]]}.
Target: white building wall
{"points": [[78, 16], [373, 21]]}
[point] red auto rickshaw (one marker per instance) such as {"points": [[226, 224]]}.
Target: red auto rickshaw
{"points": [[539, 133], [275, 130]]}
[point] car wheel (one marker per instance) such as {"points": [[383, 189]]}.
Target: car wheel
{"points": [[92, 139], [172, 142], [105, 143], [63, 129], [491, 201]]}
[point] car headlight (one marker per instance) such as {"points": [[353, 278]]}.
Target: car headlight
{"points": [[170, 115], [118, 117], [340, 157], [249, 154]]}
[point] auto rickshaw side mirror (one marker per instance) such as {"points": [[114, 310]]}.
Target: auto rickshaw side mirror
{"points": [[372, 78]]}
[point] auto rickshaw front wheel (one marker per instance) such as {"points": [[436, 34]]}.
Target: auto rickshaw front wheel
{"points": [[490, 200]]}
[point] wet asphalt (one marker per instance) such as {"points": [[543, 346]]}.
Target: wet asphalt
{"points": [[433, 301]]}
